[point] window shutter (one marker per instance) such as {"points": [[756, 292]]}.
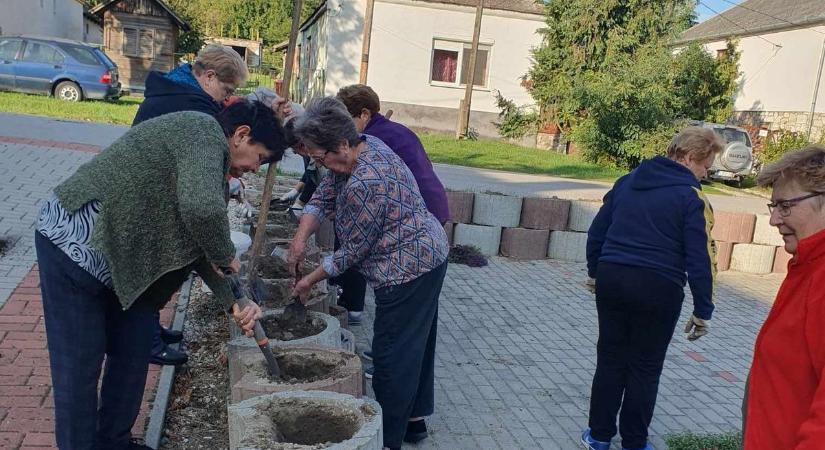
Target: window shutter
{"points": [[147, 43], [130, 41]]}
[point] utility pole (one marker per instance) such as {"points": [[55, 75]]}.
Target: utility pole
{"points": [[464, 109], [365, 44], [266, 197], [816, 91]]}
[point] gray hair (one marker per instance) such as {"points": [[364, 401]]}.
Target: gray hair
{"points": [[326, 124]]}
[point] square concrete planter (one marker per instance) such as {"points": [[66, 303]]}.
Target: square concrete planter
{"points": [[449, 229], [766, 234], [325, 236], [545, 213], [521, 243], [582, 215], [781, 260], [752, 258], [568, 246], [723, 254], [733, 227], [497, 210], [461, 206], [486, 239]]}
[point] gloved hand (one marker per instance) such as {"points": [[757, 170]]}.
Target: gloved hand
{"points": [[590, 285], [291, 195], [696, 328]]}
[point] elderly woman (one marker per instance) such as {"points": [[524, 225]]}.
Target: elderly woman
{"points": [[653, 231], [119, 237], [386, 232], [785, 406]]}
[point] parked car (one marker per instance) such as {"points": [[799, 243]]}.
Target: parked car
{"points": [[68, 70], [734, 162]]}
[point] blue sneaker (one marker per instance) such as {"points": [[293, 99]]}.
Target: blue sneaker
{"points": [[646, 447], [592, 444]]}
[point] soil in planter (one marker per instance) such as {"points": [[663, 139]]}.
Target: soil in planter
{"points": [[279, 329], [301, 367], [274, 268], [311, 423]]}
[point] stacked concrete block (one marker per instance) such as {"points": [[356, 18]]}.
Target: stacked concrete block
{"points": [[497, 210], [568, 246], [330, 336], [325, 236], [449, 228], [752, 258], [733, 227], [461, 206], [766, 234], [486, 239], [521, 243], [545, 214], [781, 260], [723, 254], [582, 215]]}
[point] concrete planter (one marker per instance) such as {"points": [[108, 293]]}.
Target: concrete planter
{"points": [[329, 336], [582, 215], [568, 246], [723, 254], [752, 258], [545, 214], [766, 234], [292, 420], [497, 210], [449, 229], [733, 227], [461, 206], [325, 236], [487, 239], [302, 369], [521, 243], [781, 260]]}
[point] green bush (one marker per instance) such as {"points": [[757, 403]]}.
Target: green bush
{"points": [[690, 441], [782, 142]]}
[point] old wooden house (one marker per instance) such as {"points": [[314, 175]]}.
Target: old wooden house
{"points": [[139, 36]]}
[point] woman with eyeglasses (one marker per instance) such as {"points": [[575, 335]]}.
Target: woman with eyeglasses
{"points": [[653, 231], [785, 396], [387, 233]]}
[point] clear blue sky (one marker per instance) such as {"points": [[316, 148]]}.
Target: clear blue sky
{"points": [[704, 12]]}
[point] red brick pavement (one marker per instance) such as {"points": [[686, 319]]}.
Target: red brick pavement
{"points": [[88, 148], [26, 403]]}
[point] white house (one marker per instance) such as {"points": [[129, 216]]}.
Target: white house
{"points": [[52, 18], [419, 56], [782, 42]]}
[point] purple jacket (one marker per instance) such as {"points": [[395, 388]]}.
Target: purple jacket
{"points": [[406, 145]]}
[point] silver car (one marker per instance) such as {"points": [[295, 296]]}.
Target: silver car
{"points": [[736, 161]]}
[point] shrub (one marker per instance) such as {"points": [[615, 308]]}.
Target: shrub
{"points": [[467, 254], [782, 142]]}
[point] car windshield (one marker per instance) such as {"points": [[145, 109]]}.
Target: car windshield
{"points": [[81, 54], [733, 135]]}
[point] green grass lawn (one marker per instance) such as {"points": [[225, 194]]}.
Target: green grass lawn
{"points": [[690, 441], [491, 154], [119, 112]]}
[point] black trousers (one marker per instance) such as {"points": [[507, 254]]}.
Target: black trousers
{"points": [[403, 351], [353, 287], [638, 310]]}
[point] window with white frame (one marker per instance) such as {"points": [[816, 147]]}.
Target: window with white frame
{"points": [[138, 42], [451, 62]]}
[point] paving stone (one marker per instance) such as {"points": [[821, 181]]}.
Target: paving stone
{"points": [[496, 210]]}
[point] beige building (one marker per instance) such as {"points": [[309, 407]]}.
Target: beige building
{"points": [[419, 56], [47, 18], [782, 45]]}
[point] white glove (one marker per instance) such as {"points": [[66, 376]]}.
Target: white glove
{"points": [[590, 285], [291, 195], [696, 328]]}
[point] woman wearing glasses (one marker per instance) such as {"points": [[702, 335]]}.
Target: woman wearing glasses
{"points": [[785, 397], [387, 233], [653, 231]]}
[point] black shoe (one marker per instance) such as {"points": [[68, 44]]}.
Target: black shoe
{"points": [[170, 336], [169, 357], [135, 444], [416, 431]]}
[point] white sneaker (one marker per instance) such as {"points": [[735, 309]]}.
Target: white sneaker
{"points": [[291, 195]]}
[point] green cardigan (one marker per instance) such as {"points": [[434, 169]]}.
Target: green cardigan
{"points": [[161, 190]]}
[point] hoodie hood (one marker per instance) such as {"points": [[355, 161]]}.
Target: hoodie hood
{"points": [[159, 85], [660, 172]]}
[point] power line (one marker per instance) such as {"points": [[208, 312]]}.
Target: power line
{"points": [[740, 26], [771, 16]]}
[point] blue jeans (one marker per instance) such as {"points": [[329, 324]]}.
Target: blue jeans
{"points": [[84, 323]]}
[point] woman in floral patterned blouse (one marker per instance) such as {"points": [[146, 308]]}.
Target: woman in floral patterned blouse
{"points": [[387, 233]]}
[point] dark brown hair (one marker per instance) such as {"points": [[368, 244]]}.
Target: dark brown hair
{"points": [[356, 97]]}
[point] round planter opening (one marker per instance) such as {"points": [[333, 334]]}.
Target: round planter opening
{"points": [[309, 423], [278, 293], [280, 329], [301, 366]]}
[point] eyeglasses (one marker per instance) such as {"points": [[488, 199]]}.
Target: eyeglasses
{"points": [[320, 158], [784, 206]]}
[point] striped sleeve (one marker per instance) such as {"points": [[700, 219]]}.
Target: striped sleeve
{"points": [[700, 253]]}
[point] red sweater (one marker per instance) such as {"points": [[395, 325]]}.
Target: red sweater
{"points": [[786, 393]]}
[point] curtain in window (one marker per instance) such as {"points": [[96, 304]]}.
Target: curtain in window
{"points": [[444, 65]]}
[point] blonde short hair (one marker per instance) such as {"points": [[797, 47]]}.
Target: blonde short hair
{"points": [[225, 61], [696, 143], [805, 166]]}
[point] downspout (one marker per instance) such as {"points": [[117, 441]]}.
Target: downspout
{"points": [[816, 91]]}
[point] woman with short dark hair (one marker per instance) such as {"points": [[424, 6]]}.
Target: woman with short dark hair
{"points": [[119, 237]]}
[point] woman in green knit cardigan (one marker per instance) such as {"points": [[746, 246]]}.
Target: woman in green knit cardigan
{"points": [[119, 237]]}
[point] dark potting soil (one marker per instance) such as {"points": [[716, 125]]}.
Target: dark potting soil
{"points": [[196, 417], [302, 367], [309, 423], [279, 329], [271, 267]]}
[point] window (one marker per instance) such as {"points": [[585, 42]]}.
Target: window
{"points": [[82, 55], [138, 42], [722, 54], [41, 53], [9, 48], [451, 63]]}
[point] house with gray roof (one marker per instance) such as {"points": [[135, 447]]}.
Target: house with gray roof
{"points": [[782, 45]]}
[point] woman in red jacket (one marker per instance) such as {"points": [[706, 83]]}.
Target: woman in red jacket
{"points": [[785, 399]]}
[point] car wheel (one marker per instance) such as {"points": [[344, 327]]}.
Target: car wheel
{"points": [[68, 91]]}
